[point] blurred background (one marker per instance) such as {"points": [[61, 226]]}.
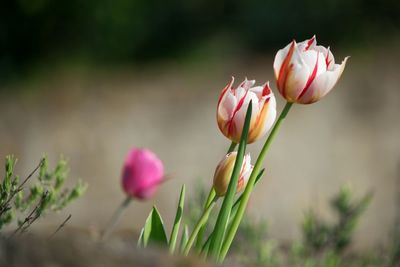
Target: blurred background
{"points": [[91, 79]]}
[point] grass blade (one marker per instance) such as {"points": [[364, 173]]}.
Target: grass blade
{"points": [[177, 222]]}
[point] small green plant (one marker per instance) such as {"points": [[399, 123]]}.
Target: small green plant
{"points": [[26, 203], [322, 244], [319, 235]]}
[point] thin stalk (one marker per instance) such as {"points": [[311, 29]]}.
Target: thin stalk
{"points": [[250, 185], [231, 147], [203, 219], [115, 218]]}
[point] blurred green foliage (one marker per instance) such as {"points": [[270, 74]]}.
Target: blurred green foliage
{"points": [[320, 235], [25, 201], [323, 244], [132, 30]]}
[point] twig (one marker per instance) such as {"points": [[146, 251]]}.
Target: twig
{"points": [[61, 226], [115, 218], [30, 219], [20, 187]]}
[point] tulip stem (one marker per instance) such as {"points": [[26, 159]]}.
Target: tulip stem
{"points": [[203, 219], [231, 147], [250, 185], [115, 218]]}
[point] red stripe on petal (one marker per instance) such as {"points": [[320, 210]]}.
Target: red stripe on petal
{"points": [[239, 105], [310, 79], [228, 86], [309, 43], [285, 69], [327, 61], [266, 90]]}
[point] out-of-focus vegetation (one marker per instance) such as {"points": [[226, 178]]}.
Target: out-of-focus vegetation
{"points": [[26, 200], [323, 244], [126, 31]]}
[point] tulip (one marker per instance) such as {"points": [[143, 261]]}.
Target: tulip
{"points": [[143, 171], [224, 171], [232, 107], [306, 72]]}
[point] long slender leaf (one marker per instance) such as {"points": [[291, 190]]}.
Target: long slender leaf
{"points": [[202, 220], [177, 222], [235, 207], [184, 238], [211, 196], [153, 230], [250, 184], [224, 213], [140, 240]]}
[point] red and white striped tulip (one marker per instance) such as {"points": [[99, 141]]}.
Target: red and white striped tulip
{"points": [[232, 108], [306, 72], [224, 170]]}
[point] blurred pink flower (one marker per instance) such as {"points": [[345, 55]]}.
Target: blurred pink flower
{"points": [[306, 72], [232, 108], [142, 173]]}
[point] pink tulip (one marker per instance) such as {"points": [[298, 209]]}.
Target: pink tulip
{"points": [[224, 170], [306, 72], [232, 108], [143, 171]]}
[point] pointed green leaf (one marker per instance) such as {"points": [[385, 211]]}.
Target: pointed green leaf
{"points": [[177, 222], [153, 230], [140, 240], [184, 238], [224, 213], [235, 207]]}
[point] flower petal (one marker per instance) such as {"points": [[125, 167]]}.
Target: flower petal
{"points": [[323, 84]]}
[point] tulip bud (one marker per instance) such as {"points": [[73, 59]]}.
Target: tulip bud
{"points": [[224, 171], [306, 72], [143, 171], [232, 108]]}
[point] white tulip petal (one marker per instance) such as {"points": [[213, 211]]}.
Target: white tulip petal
{"points": [[257, 90], [308, 44], [270, 117], [240, 115], [227, 106], [328, 56], [297, 77], [323, 84], [279, 58]]}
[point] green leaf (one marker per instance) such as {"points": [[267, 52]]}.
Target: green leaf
{"points": [[153, 230], [237, 202], [184, 238], [224, 213], [177, 222], [140, 240], [235, 207]]}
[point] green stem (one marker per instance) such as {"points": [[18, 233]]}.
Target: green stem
{"points": [[115, 218], [250, 185], [203, 219], [210, 197], [231, 147]]}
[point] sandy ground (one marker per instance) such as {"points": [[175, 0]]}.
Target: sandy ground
{"points": [[94, 116]]}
